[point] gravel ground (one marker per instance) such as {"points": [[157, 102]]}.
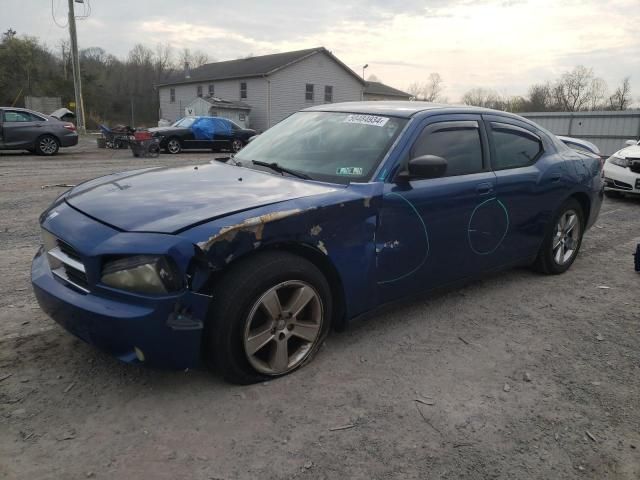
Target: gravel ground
{"points": [[516, 376]]}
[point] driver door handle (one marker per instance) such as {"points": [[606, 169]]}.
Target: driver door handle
{"points": [[484, 188]]}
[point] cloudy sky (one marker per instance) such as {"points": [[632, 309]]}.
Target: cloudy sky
{"points": [[501, 44]]}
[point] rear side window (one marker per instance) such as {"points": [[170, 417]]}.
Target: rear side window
{"points": [[17, 116], [457, 142], [514, 146]]}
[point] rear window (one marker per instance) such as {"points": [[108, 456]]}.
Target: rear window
{"points": [[514, 147]]}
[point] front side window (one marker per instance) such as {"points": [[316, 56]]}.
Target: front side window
{"points": [[327, 146], [243, 89], [514, 146], [328, 93], [458, 143], [199, 90], [14, 116], [308, 92], [172, 95]]}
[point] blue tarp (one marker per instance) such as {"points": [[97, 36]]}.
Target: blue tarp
{"points": [[206, 127]]}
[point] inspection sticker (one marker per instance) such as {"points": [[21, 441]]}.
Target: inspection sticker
{"points": [[349, 171], [374, 120]]}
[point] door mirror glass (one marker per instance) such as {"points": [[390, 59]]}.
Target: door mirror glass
{"points": [[427, 166]]}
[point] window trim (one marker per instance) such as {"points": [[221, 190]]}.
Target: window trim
{"points": [[455, 124], [245, 90], [515, 130], [327, 89], [307, 92], [172, 95]]}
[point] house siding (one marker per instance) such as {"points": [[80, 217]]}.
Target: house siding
{"points": [[275, 97], [288, 85]]}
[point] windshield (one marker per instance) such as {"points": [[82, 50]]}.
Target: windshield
{"points": [[185, 122], [326, 146]]}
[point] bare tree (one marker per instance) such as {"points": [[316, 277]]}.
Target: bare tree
{"points": [[621, 98], [540, 98], [429, 91], [195, 59], [572, 91], [483, 97], [597, 94]]}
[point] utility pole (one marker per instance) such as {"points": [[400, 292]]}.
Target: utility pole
{"points": [[75, 63]]}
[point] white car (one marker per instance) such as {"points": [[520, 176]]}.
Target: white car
{"points": [[622, 170]]}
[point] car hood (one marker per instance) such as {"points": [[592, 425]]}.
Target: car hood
{"points": [[630, 152], [167, 200]]}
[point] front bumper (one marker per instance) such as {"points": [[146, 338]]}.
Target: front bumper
{"points": [[160, 331], [621, 179]]}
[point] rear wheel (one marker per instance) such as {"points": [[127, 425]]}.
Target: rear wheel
{"points": [[173, 146], [271, 315], [47, 145], [562, 242]]}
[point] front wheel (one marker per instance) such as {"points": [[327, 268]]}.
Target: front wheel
{"points": [[271, 314], [47, 145], [562, 242], [173, 146], [237, 145]]}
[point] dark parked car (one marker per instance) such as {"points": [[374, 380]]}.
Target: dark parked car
{"points": [[330, 214], [22, 129], [214, 133]]}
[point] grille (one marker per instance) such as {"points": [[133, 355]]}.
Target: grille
{"points": [[618, 184], [65, 262], [634, 164], [638, 184]]}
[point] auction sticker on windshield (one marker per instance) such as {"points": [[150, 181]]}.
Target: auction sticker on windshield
{"points": [[373, 120], [349, 171]]}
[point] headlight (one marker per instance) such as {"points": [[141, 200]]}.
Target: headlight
{"points": [[619, 160], [142, 274]]}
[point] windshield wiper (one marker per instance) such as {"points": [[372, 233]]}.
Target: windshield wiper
{"points": [[277, 168]]}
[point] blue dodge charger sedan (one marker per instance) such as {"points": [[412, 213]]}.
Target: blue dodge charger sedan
{"points": [[332, 213]]}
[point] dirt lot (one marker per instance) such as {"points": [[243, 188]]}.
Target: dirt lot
{"points": [[517, 376]]}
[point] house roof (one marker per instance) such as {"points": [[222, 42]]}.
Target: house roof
{"points": [[221, 103], [378, 88], [249, 67]]}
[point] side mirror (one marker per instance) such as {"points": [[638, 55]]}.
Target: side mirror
{"points": [[630, 143], [427, 166]]}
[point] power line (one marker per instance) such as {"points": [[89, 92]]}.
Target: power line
{"points": [[53, 15]]}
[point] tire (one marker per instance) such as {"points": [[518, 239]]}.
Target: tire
{"points": [[173, 146], [239, 313], [237, 145], [561, 245], [47, 145]]}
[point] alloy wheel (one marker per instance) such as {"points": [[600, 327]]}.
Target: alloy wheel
{"points": [[173, 146], [236, 145], [48, 145], [566, 238], [282, 328]]}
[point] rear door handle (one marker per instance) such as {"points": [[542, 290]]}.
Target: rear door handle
{"points": [[484, 188]]}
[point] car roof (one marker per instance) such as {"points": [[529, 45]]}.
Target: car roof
{"points": [[408, 109]]}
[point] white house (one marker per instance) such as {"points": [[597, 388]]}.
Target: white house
{"points": [[273, 86]]}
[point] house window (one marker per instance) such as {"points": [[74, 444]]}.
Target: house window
{"points": [[172, 95], [211, 90], [308, 93], [241, 117], [243, 89], [199, 90], [328, 93]]}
